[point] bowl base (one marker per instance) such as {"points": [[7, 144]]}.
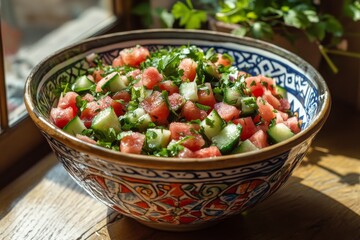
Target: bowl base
{"points": [[178, 227]]}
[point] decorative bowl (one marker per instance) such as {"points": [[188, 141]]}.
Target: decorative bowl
{"points": [[170, 193]]}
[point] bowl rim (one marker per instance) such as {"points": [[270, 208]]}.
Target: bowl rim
{"points": [[226, 161]]}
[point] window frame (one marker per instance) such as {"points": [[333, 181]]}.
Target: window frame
{"points": [[21, 143], [4, 121]]}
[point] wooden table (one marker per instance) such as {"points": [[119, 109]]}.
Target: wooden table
{"points": [[320, 201]]}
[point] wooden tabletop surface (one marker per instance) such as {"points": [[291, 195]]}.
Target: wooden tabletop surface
{"points": [[320, 201]]}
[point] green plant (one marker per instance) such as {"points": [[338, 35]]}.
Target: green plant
{"points": [[261, 18]]}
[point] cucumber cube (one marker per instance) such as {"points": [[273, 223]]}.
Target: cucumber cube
{"points": [[279, 132], [232, 96], [189, 91], [75, 126], [115, 82], [104, 121], [157, 138], [82, 83], [212, 124], [245, 146], [228, 138], [248, 106]]}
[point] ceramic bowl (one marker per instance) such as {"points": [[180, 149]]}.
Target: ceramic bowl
{"points": [[170, 193]]}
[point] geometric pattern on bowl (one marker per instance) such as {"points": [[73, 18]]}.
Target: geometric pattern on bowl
{"points": [[173, 197]]}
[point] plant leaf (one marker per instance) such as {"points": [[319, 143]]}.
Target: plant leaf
{"points": [[296, 19], [179, 10], [312, 16], [272, 11], [166, 18], [333, 25], [352, 9], [261, 30], [252, 15], [196, 19], [189, 17], [316, 31]]}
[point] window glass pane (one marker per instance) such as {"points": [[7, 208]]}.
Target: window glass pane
{"points": [[31, 30]]}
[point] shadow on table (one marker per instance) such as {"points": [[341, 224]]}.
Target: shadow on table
{"points": [[338, 140], [294, 212], [340, 134], [316, 154]]}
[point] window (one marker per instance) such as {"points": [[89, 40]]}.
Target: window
{"points": [[31, 30]]}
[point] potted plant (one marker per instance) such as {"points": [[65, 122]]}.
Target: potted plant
{"points": [[300, 26]]}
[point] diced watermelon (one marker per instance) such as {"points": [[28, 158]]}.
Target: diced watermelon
{"points": [[194, 143], [253, 83], [186, 153], [134, 56], [169, 86], [223, 60], [189, 66], [180, 130], [134, 74], [93, 108], [269, 83], [206, 96], [132, 143], [176, 101], [151, 77], [62, 116], [272, 100], [226, 111], [257, 118], [265, 109], [208, 152], [284, 104], [259, 84], [118, 108], [88, 97], [89, 113], [104, 102], [259, 139], [203, 114], [279, 118], [123, 98], [118, 62], [98, 75], [293, 124], [156, 107], [68, 100], [284, 115], [122, 95], [248, 127], [264, 126], [191, 112]]}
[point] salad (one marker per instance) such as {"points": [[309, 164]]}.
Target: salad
{"points": [[174, 102]]}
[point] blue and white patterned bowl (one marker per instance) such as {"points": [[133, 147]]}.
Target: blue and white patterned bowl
{"points": [[181, 194]]}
